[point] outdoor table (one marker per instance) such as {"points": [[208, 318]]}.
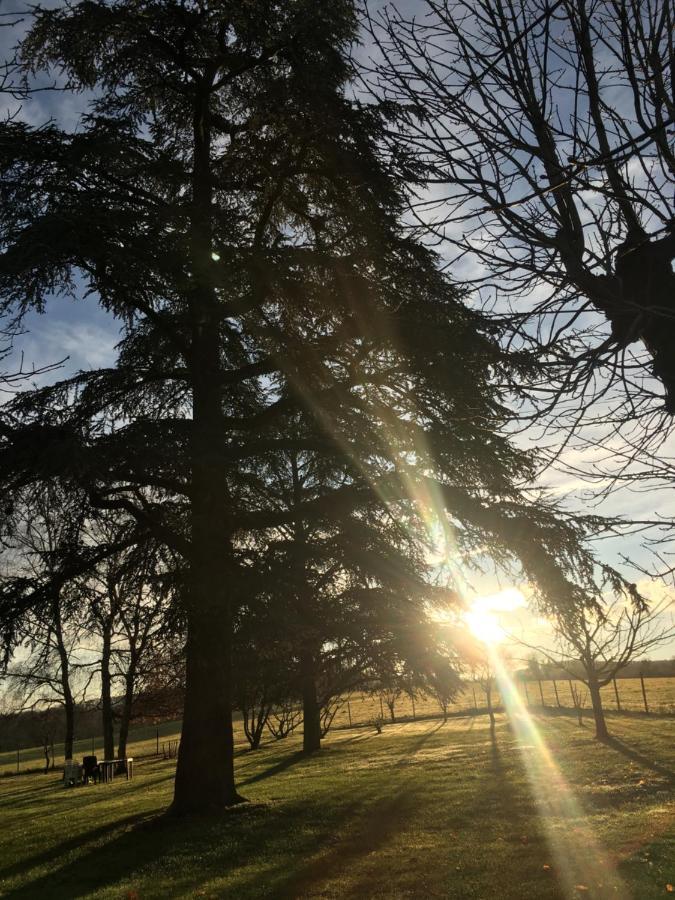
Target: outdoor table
{"points": [[108, 766]]}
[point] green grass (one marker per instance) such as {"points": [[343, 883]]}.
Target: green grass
{"points": [[363, 708], [422, 810]]}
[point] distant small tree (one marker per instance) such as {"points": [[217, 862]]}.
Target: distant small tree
{"points": [[444, 684], [603, 642], [390, 687], [477, 661], [284, 718], [484, 674], [534, 668], [579, 699], [263, 666], [329, 709], [40, 728]]}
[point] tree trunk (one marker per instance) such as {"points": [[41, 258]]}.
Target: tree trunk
{"points": [[205, 770], [106, 694], [601, 732], [69, 707], [491, 713], [125, 718], [68, 699], [311, 737], [255, 719]]}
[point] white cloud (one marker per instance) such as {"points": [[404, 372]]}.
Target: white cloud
{"points": [[86, 345]]}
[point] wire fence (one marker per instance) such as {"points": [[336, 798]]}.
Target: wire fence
{"points": [[647, 695], [144, 740], [626, 695]]}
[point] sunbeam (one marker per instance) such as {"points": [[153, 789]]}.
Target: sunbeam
{"points": [[580, 862]]}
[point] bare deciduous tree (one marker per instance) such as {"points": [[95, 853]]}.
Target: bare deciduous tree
{"points": [[595, 646], [47, 528], [547, 130]]}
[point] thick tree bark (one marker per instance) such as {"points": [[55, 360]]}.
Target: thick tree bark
{"points": [[311, 737], [125, 717], [205, 771], [68, 699], [601, 732], [311, 711], [106, 694], [69, 708]]}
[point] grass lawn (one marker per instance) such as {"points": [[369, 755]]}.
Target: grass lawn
{"points": [[424, 809]]}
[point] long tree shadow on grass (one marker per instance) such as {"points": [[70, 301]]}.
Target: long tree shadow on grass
{"points": [[377, 823], [415, 745], [334, 750], [190, 852], [45, 792], [124, 854], [57, 852], [635, 755], [380, 820], [392, 814], [286, 763]]}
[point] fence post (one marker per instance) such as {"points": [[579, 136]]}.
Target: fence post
{"points": [[473, 689], [574, 699], [557, 698], [527, 693], [616, 694], [349, 713], [644, 693], [541, 693]]}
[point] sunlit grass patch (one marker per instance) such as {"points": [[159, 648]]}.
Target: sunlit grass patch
{"points": [[424, 809]]}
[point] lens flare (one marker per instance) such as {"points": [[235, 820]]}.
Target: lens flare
{"points": [[482, 618], [580, 862]]}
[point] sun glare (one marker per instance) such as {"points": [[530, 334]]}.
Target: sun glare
{"points": [[482, 618], [484, 625]]}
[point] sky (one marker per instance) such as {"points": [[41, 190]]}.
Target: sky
{"points": [[80, 335]]}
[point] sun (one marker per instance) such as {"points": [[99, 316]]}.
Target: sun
{"points": [[482, 618], [485, 626]]}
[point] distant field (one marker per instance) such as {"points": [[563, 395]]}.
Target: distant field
{"points": [[361, 709], [423, 810], [143, 740], [660, 697]]}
